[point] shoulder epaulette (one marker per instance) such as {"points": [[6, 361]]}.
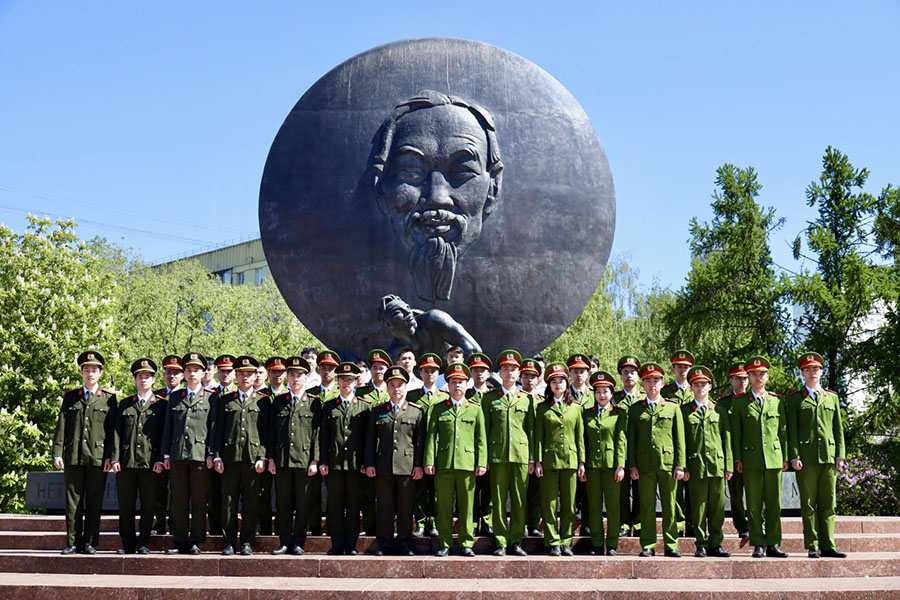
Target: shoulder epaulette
{"points": [[776, 394], [720, 398], [159, 396], [414, 405], [830, 391], [474, 401], [364, 399], [795, 392]]}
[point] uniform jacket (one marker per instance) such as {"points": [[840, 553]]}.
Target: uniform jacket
{"points": [[426, 401], [189, 429], [343, 433], [84, 428], [509, 423], [671, 391], [137, 436], [456, 438], [707, 438], [293, 438], [242, 428], [373, 394], [395, 440], [759, 433], [655, 437], [559, 435], [604, 437], [814, 426]]}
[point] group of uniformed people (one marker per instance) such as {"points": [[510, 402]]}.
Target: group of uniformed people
{"points": [[408, 452]]}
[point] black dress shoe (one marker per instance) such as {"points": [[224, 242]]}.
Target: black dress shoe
{"points": [[775, 552], [69, 550], [433, 532], [832, 553], [298, 551], [467, 552], [420, 532], [315, 531], [173, 551], [143, 550], [88, 549], [565, 550], [517, 549], [744, 535], [675, 553], [487, 530], [442, 551], [246, 550], [647, 552], [350, 552], [814, 553], [405, 551], [228, 550], [335, 552], [585, 531], [280, 550], [501, 551], [700, 553], [719, 552], [534, 532], [758, 552], [555, 551], [611, 552], [623, 532], [195, 550]]}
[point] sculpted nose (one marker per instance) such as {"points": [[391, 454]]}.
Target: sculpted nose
{"points": [[436, 191]]}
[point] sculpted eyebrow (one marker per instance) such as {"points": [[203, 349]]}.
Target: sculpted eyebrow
{"points": [[410, 150]]}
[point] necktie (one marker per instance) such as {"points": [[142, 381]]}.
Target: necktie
{"points": [[190, 396], [702, 411]]}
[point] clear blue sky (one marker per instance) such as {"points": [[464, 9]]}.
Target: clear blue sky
{"points": [[150, 123]]}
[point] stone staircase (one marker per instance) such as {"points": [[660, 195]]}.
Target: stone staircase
{"points": [[31, 568]]}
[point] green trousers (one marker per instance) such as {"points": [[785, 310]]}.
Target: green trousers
{"points": [[816, 482], [481, 505], [424, 503], [707, 510], [630, 502], [736, 493], [558, 489], [649, 482], [763, 486], [508, 479], [131, 484], [85, 486], [602, 486], [448, 482], [240, 484]]}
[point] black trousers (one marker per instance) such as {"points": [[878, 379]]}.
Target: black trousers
{"points": [[344, 497], [291, 505], [240, 483], [395, 495], [131, 484], [84, 501], [161, 511], [214, 509], [265, 503], [190, 482]]}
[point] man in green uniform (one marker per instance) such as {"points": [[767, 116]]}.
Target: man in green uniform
{"points": [[631, 392], [326, 365], [187, 448], [737, 378], [426, 396], [759, 442], [680, 391], [343, 434], [455, 453], [530, 376], [816, 447], [293, 455], [657, 456], [82, 445], [395, 448], [604, 461], [173, 374], [509, 425], [480, 368], [708, 442], [136, 456], [579, 366], [375, 391], [225, 375], [276, 374]]}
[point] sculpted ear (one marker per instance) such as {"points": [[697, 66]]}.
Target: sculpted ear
{"points": [[378, 187], [494, 192]]}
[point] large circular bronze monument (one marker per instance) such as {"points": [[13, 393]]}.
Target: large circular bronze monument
{"points": [[437, 191]]}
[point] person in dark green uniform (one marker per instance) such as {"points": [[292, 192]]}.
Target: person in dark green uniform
{"points": [[680, 391], [558, 453], [480, 366], [604, 461], [707, 434], [580, 366], [395, 449], [657, 455], [631, 392], [816, 447], [293, 455], [530, 376], [276, 374], [509, 425], [343, 435], [173, 374], [225, 375], [82, 446], [136, 456], [375, 391], [426, 396], [326, 366], [455, 453], [759, 443], [239, 449], [737, 378], [187, 448]]}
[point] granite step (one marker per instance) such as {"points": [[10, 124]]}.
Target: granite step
{"points": [[101, 587], [481, 567]]}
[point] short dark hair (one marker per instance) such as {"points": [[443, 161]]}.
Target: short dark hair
{"points": [[309, 349], [404, 351]]}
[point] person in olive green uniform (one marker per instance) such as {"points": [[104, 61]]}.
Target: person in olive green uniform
{"points": [[455, 453], [187, 448], [293, 455], [680, 391], [759, 443], [343, 437], [395, 448], [604, 461], [241, 430], [530, 376], [225, 375], [737, 377], [173, 373], [375, 391], [631, 392], [509, 425], [657, 457], [426, 396], [326, 365], [580, 366], [277, 375], [816, 447], [480, 366], [558, 453], [82, 446], [136, 458], [707, 434]]}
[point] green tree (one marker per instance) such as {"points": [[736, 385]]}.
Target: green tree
{"points": [[731, 306]]}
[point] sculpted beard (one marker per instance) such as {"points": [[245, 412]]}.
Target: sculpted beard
{"points": [[432, 258]]}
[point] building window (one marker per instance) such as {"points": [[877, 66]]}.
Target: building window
{"points": [[260, 275], [239, 278], [226, 276]]}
